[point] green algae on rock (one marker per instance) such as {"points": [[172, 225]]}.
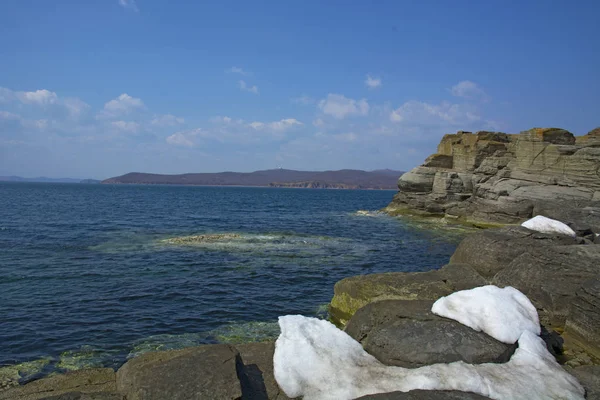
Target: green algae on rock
{"points": [[11, 375]]}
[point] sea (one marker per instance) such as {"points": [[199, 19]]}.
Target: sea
{"points": [[92, 275]]}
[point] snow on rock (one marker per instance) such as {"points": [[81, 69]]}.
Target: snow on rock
{"points": [[548, 225], [316, 360], [504, 314]]}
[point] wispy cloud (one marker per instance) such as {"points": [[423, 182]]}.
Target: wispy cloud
{"points": [[237, 70], [469, 90], [166, 120], [372, 82], [184, 138], [247, 88], [129, 4], [126, 126], [124, 104], [45, 99], [341, 107], [304, 99]]}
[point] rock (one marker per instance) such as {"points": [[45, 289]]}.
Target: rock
{"points": [[496, 177], [490, 251], [406, 333], [589, 377], [354, 292], [200, 239], [87, 384], [204, 372], [583, 323], [424, 395], [550, 276], [259, 382], [86, 396]]}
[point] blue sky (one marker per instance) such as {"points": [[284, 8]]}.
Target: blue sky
{"points": [[99, 88]]}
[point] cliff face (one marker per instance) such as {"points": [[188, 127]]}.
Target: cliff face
{"points": [[504, 178]]}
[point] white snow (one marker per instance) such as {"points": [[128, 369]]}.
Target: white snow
{"points": [[548, 225], [316, 360], [504, 314]]}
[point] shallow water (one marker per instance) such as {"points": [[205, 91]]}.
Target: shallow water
{"points": [[89, 274]]}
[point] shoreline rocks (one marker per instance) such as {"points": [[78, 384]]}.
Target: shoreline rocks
{"points": [[494, 177]]}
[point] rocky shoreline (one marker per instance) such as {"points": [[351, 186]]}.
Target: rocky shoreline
{"points": [[485, 178]]}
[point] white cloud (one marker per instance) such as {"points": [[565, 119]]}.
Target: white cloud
{"points": [[372, 82], [340, 106], [124, 104], [126, 126], [75, 106], [276, 126], [130, 4], [245, 87], [318, 122], [6, 95], [5, 115], [304, 99], [469, 90], [166, 120], [40, 97], [443, 116], [237, 70], [184, 138]]}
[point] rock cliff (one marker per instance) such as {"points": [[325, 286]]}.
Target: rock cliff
{"points": [[494, 177]]}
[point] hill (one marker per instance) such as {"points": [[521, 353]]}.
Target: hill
{"points": [[342, 179]]}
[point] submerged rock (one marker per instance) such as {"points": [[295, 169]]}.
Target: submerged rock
{"points": [[354, 292], [406, 333], [199, 239]]}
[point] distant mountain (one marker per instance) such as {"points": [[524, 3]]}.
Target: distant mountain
{"points": [[38, 179], [342, 179], [90, 181]]}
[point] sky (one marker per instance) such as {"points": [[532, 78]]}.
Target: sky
{"points": [[100, 88]]}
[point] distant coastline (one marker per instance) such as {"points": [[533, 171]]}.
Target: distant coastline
{"points": [[341, 179]]}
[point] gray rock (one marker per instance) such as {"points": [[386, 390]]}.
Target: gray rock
{"points": [[86, 396], [583, 323], [589, 377], [354, 292], [259, 380], [490, 251], [424, 395], [204, 372], [406, 333], [88, 384], [550, 276]]}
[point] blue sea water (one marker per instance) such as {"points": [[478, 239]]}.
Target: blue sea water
{"points": [[89, 276]]}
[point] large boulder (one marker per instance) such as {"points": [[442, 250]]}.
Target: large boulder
{"points": [[258, 379], [406, 333], [354, 292], [204, 372], [589, 377], [583, 323], [424, 395], [490, 251], [550, 276], [84, 384]]}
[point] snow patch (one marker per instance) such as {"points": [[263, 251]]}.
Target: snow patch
{"points": [[316, 360], [504, 314], [548, 225]]}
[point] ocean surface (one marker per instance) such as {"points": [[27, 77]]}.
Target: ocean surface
{"points": [[91, 275]]}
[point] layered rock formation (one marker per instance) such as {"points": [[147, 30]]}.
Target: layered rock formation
{"points": [[495, 177]]}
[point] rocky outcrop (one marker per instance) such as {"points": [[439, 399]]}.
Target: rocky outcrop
{"points": [[493, 177], [354, 292], [406, 333], [583, 324], [205, 372]]}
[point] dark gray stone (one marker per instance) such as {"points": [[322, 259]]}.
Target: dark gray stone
{"points": [[258, 380], [550, 276], [424, 395], [204, 372], [492, 250], [583, 324], [405, 333]]}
